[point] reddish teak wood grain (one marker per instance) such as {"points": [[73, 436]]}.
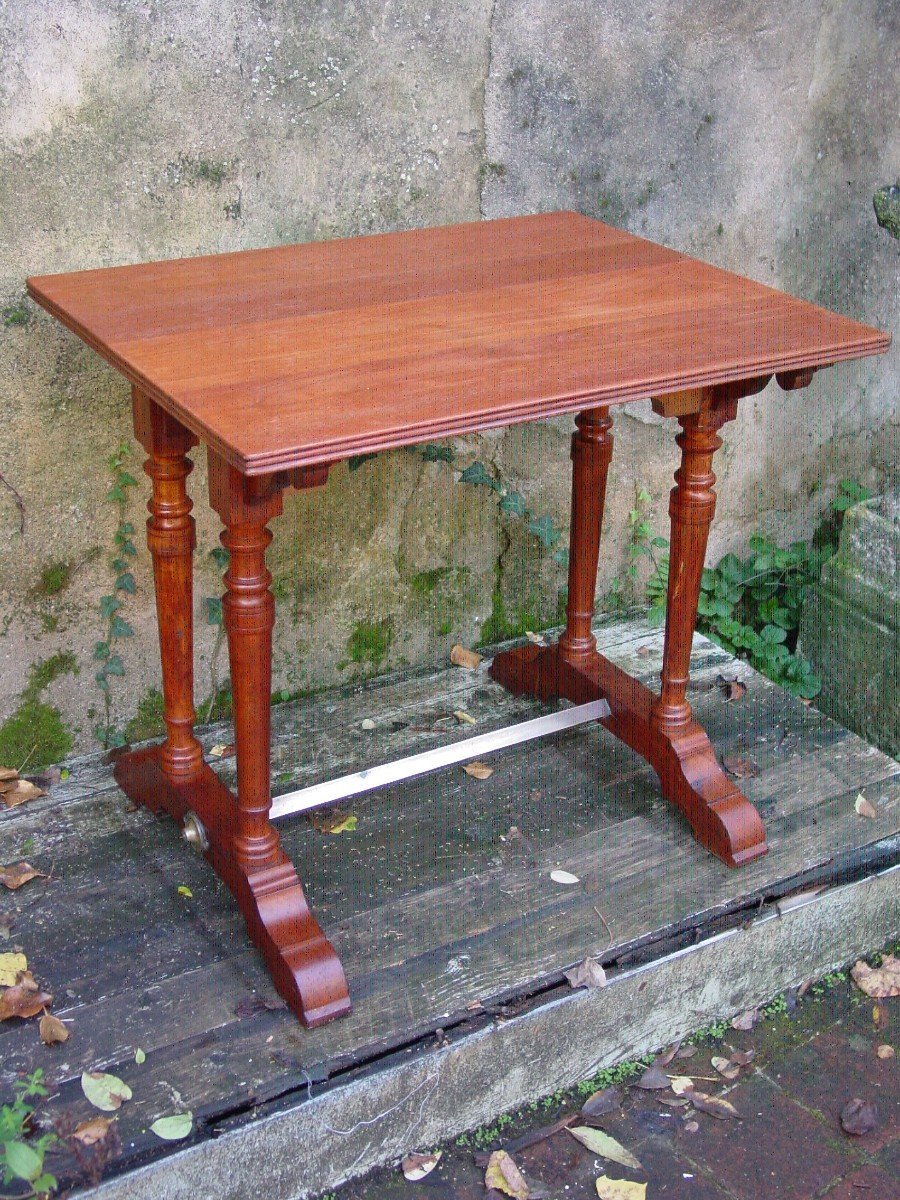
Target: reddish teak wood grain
{"points": [[307, 354], [288, 360]]}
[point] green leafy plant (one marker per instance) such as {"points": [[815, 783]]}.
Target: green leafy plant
{"points": [[117, 628], [751, 606], [21, 1155], [641, 544]]}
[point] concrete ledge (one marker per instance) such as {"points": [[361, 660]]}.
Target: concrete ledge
{"points": [[419, 1098]]}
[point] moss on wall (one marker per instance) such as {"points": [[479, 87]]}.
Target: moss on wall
{"points": [[35, 735]]}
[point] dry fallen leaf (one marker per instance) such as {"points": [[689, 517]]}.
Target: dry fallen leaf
{"points": [[858, 1117], [653, 1079], [726, 1068], [417, 1166], [93, 1130], [742, 1058], [671, 1101], [686, 1051], [732, 689], [464, 718], [19, 792], [665, 1057], [11, 965], [601, 1103], [335, 820], [588, 974], [7, 774], [620, 1189], [885, 1051], [461, 657], [18, 873], [714, 1105], [24, 999], [880, 983], [601, 1143], [681, 1084], [52, 1030], [537, 639], [106, 1092], [739, 766], [503, 1174], [690, 1127], [745, 1021], [564, 877], [865, 808], [478, 770]]}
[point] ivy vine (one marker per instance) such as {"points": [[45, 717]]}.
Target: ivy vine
{"points": [[117, 628]]}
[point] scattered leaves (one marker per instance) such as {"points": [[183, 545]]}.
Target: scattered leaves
{"points": [[174, 1128], [686, 1051], [503, 1174], [10, 967], [461, 657], [16, 874], [106, 1092], [564, 877], [620, 1189], [714, 1105], [601, 1143], [858, 1117], [745, 1021], [665, 1057], [884, 1051], [726, 1068], [681, 1084], [865, 808], [739, 766], [478, 770], [52, 1030], [92, 1131], [881, 982], [417, 1166], [588, 974], [653, 1078]]}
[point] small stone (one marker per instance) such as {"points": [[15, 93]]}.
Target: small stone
{"points": [[368, 723]]}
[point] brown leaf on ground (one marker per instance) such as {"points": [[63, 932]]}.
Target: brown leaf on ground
{"points": [[881, 982], [732, 689], [24, 999], [691, 1127], [20, 791], [742, 1058], [686, 1052], [417, 1166], [7, 774], [52, 1030], [92, 1131], [726, 1068], [16, 874], [601, 1143], [665, 1057], [333, 820], [858, 1117], [620, 1189], [503, 1175], [12, 964], [714, 1105], [478, 770], [461, 657], [653, 1079], [588, 974], [745, 1021], [671, 1101], [740, 766], [884, 1051], [601, 1103], [681, 1084], [865, 808]]}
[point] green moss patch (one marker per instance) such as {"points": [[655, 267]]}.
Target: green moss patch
{"points": [[34, 736], [147, 722], [370, 641]]}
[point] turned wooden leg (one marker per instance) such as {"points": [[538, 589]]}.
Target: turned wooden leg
{"points": [[171, 539], [661, 728], [592, 446]]}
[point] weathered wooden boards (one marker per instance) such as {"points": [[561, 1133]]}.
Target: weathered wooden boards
{"points": [[440, 898]]}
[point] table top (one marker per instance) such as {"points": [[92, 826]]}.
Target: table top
{"points": [[306, 354]]}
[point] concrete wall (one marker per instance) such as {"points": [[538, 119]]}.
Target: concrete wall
{"points": [[750, 135]]}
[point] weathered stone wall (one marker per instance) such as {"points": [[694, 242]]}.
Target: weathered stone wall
{"points": [[751, 135]]}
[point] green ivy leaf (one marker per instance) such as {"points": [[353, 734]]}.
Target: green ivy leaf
{"points": [[115, 495], [356, 460], [126, 480], [101, 651], [660, 543], [773, 634], [476, 473], [220, 557], [213, 610], [108, 605], [114, 665], [125, 583], [120, 628], [544, 530], [561, 556], [432, 452]]}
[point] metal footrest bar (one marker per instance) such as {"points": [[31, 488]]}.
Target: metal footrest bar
{"points": [[330, 791]]}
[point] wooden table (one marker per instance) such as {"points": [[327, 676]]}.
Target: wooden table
{"points": [[286, 361]]}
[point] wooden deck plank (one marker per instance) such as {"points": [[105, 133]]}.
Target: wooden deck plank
{"points": [[431, 905]]}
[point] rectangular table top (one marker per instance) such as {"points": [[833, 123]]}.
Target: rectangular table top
{"points": [[307, 354]]}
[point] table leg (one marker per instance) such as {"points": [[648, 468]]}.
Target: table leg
{"points": [[660, 729]]}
